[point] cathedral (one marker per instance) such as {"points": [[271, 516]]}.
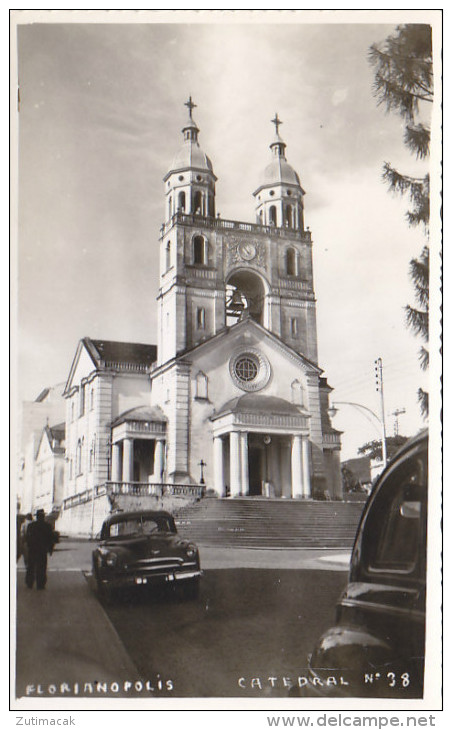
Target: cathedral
{"points": [[231, 397]]}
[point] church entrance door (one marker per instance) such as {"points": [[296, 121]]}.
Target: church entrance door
{"points": [[256, 467]]}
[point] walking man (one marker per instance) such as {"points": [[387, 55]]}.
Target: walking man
{"points": [[40, 541]]}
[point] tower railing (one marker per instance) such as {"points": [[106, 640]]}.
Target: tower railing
{"points": [[223, 224]]}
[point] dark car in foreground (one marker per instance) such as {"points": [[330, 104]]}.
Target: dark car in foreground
{"points": [[376, 648], [143, 549]]}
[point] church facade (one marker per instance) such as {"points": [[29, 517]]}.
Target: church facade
{"points": [[232, 396]]}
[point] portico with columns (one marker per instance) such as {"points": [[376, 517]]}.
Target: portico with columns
{"points": [[138, 445]]}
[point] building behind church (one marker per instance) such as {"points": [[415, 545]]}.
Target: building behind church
{"points": [[231, 399]]}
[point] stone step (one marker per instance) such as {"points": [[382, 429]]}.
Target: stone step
{"points": [[270, 523]]}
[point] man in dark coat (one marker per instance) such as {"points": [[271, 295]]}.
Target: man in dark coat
{"points": [[40, 541]]}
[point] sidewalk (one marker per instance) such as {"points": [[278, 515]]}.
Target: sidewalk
{"points": [[64, 637]]}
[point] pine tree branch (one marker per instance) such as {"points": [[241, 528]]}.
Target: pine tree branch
{"points": [[422, 397], [424, 358], [417, 320], [417, 139]]}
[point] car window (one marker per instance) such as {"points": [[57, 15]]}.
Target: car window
{"points": [[139, 526], [395, 527]]}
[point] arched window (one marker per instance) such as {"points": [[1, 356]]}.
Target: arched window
{"points": [[197, 202], [288, 216], [91, 398], [92, 454], [170, 206], [201, 386], [81, 402], [79, 457], [272, 215], [181, 201], [199, 250], [300, 218], [201, 318], [168, 255], [291, 262], [298, 393]]}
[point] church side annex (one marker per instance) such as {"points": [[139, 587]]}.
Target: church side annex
{"points": [[232, 400]]}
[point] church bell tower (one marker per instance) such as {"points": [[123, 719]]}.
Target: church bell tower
{"points": [[237, 373], [190, 304]]}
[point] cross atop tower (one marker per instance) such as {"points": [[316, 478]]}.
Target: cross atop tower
{"points": [[276, 121], [191, 105]]}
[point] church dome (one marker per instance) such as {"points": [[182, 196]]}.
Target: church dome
{"points": [[258, 404], [191, 155], [279, 171]]}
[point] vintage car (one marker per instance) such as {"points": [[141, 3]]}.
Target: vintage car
{"points": [[143, 549], [376, 647]]}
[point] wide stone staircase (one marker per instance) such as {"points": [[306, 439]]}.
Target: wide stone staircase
{"points": [[270, 523]]}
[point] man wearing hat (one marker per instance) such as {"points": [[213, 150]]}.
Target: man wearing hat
{"points": [[40, 541]]}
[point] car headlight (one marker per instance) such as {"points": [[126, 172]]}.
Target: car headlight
{"points": [[111, 560], [191, 550]]}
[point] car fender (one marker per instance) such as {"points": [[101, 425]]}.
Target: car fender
{"points": [[350, 648]]}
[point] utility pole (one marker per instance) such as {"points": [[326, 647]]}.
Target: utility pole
{"points": [[398, 412], [379, 389]]}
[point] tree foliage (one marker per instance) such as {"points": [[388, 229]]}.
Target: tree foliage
{"points": [[349, 480], [375, 451], [403, 81], [403, 70]]}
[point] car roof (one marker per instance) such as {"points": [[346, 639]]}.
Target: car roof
{"points": [[122, 516]]}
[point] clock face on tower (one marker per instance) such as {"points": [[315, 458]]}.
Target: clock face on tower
{"points": [[247, 251]]}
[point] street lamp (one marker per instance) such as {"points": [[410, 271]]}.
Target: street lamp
{"points": [[332, 411], [202, 464]]}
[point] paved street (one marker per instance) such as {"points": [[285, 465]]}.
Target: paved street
{"points": [[248, 623], [257, 617]]}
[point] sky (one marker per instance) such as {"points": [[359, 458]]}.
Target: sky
{"points": [[101, 112]]}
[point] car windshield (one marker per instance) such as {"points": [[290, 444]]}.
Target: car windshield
{"points": [[139, 526]]}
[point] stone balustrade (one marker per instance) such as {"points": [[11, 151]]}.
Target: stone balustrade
{"points": [[134, 489], [223, 224]]}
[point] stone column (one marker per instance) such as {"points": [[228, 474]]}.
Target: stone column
{"points": [[234, 442], [127, 460], [116, 463], [218, 466], [306, 468], [297, 483], [244, 463], [158, 460]]}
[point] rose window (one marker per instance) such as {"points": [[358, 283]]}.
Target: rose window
{"points": [[246, 369]]}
